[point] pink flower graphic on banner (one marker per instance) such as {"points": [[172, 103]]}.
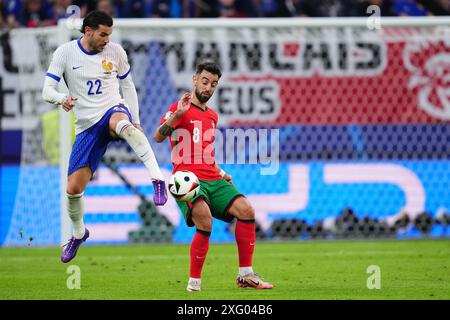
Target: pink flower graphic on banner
{"points": [[429, 64]]}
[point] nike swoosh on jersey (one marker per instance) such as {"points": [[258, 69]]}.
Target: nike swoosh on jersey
{"points": [[74, 68], [194, 121]]}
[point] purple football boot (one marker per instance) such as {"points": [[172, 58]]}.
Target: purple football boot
{"points": [[160, 193], [72, 246]]}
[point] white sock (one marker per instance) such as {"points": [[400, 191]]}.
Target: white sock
{"points": [[139, 143], [245, 270], [195, 280], [75, 208]]}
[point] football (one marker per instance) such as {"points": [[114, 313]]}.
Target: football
{"points": [[184, 185]]}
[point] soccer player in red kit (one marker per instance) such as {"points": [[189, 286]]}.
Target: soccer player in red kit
{"points": [[190, 124]]}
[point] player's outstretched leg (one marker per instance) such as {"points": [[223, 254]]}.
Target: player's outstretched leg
{"points": [[245, 239], [139, 143]]}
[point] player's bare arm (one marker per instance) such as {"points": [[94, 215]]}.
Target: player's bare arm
{"points": [[166, 128], [69, 103], [224, 175]]}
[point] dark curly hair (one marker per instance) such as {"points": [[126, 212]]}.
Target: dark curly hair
{"points": [[96, 18], [209, 66]]}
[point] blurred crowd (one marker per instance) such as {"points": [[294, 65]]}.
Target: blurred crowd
{"points": [[36, 13]]}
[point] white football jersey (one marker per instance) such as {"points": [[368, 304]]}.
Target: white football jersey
{"points": [[91, 77]]}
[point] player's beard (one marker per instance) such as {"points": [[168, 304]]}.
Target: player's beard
{"points": [[93, 45], [100, 47], [201, 98], [97, 46]]}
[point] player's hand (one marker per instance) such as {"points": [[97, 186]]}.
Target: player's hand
{"points": [[228, 178], [69, 103], [184, 104], [138, 126]]}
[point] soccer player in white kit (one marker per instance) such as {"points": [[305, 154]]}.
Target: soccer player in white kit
{"points": [[93, 69]]}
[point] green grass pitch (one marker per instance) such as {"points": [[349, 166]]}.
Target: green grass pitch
{"points": [[410, 269]]}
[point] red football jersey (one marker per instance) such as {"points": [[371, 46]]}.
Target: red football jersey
{"points": [[192, 141]]}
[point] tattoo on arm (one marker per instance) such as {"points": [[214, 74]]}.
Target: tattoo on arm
{"points": [[165, 129]]}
